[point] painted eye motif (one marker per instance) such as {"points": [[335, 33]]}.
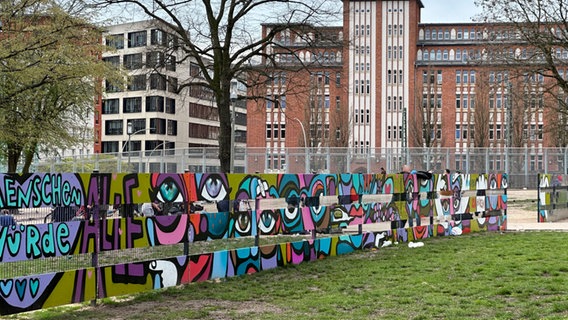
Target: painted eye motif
{"points": [[169, 192], [214, 190], [267, 222], [242, 223]]}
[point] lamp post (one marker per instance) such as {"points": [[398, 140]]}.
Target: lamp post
{"points": [[233, 98], [307, 165], [129, 132]]}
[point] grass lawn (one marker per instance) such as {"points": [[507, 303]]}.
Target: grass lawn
{"points": [[478, 276]]}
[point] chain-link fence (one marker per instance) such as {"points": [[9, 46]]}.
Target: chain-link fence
{"points": [[522, 164]]}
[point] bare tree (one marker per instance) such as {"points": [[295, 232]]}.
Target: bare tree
{"points": [[532, 36], [425, 128], [222, 38]]}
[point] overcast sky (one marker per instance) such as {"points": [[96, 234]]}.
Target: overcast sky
{"points": [[448, 11]]}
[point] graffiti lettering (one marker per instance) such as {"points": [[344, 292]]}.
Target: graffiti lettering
{"points": [[39, 244], [40, 189]]}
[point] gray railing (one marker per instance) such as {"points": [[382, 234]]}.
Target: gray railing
{"points": [[521, 163]]}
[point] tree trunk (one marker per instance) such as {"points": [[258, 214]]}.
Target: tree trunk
{"points": [[225, 152], [28, 158], [14, 153]]}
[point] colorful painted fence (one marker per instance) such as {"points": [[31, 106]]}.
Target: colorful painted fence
{"points": [[552, 197], [437, 206]]}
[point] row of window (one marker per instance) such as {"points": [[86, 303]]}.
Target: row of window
{"points": [[275, 131], [449, 34], [362, 50], [448, 55], [465, 76], [432, 100], [395, 52], [276, 102], [142, 83], [154, 60], [394, 132], [395, 75], [498, 132], [434, 131], [362, 86], [134, 105], [365, 29], [394, 29], [393, 103], [136, 145], [140, 39], [157, 126], [361, 147], [362, 116]]}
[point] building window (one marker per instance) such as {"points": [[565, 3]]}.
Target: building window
{"points": [[458, 101], [132, 105], [357, 85], [400, 76], [439, 75], [445, 57], [458, 77], [154, 59], [326, 102], [115, 41], [458, 132], [157, 82], [137, 39], [172, 128], [158, 37], [138, 125], [157, 126], [268, 131], [337, 78], [171, 63], [137, 83], [172, 84], [114, 61], [111, 87], [113, 127], [170, 106], [132, 61], [465, 100], [110, 106], [110, 146], [154, 104], [368, 86]]}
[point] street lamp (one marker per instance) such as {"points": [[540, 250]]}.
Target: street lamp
{"points": [[307, 166], [233, 97], [129, 132]]}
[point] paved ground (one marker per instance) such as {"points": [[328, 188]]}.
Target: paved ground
{"points": [[522, 212]]}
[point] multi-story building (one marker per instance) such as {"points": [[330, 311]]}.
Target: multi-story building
{"points": [[405, 84], [157, 111]]}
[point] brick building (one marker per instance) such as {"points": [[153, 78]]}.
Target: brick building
{"points": [[389, 82]]}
